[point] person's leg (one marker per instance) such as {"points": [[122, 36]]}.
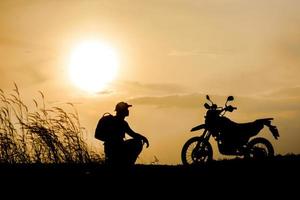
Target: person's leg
{"points": [[113, 154], [132, 149], [108, 151]]}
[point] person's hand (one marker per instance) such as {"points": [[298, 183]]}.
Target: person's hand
{"points": [[145, 141]]}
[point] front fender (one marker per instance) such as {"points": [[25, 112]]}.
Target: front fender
{"points": [[196, 128]]}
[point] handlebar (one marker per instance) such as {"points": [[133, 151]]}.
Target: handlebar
{"points": [[229, 108], [214, 106]]}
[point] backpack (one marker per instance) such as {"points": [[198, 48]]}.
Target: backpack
{"points": [[105, 127]]}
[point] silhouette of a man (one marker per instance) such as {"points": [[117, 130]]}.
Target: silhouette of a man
{"points": [[118, 151]]}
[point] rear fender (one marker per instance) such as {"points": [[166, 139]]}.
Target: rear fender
{"points": [[273, 129]]}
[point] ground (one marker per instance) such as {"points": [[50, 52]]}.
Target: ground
{"points": [[230, 175]]}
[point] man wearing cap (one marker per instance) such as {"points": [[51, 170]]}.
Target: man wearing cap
{"points": [[119, 151]]}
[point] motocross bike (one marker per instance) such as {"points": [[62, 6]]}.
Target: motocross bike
{"points": [[232, 138]]}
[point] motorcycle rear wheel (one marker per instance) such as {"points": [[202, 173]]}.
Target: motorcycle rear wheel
{"points": [[196, 151], [259, 148]]}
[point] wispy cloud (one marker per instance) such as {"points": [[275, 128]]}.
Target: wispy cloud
{"points": [[27, 45], [105, 92], [197, 53], [287, 92], [271, 103], [154, 87], [179, 101]]}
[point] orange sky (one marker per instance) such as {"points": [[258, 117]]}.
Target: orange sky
{"points": [[172, 53]]}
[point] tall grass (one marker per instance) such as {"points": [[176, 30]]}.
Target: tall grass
{"points": [[46, 135]]}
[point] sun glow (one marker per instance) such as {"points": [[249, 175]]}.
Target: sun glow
{"points": [[93, 64]]}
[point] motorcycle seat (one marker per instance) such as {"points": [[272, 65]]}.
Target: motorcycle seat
{"points": [[248, 129]]}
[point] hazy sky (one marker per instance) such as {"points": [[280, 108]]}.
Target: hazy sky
{"points": [[172, 53]]}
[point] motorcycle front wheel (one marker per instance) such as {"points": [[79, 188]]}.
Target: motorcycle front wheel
{"points": [[196, 151], [259, 148]]}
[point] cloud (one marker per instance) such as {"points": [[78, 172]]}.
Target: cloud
{"points": [[183, 53], [31, 72], [179, 101], [288, 92], [196, 53], [27, 45], [154, 87], [269, 104], [105, 92]]}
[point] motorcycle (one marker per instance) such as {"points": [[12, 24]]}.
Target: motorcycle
{"points": [[232, 138]]}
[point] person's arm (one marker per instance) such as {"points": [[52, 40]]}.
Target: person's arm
{"points": [[133, 134]]}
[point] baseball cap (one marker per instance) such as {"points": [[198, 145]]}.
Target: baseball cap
{"points": [[122, 105]]}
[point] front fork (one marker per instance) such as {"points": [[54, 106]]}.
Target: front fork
{"points": [[206, 135], [203, 141]]}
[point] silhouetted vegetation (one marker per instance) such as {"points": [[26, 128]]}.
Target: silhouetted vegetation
{"points": [[46, 135]]}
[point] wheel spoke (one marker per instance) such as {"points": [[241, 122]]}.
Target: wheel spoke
{"points": [[196, 152]]}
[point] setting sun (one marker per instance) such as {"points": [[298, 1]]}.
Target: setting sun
{"points": [[93, 64]]}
